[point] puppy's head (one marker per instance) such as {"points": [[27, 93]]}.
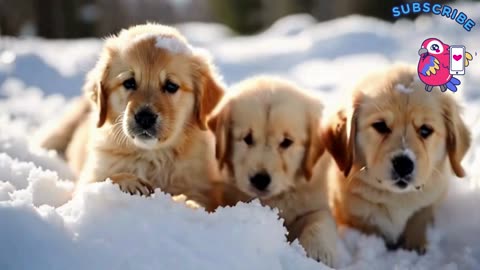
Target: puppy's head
{"points": [[267, 135], [149, 85], [395, 135]]}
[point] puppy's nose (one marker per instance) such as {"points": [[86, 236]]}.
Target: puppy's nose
{"points": [[260, 181], [403, 165], [145, 118]]}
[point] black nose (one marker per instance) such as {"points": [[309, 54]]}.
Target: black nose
{"points": [[260, 181], [403, 165], [145, 118]]}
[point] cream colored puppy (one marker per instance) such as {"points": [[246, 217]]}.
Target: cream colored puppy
{"points": [[396, 146], [150, 94], [268, 141]]}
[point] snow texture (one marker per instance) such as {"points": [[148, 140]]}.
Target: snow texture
{"points": [[41, 227]]}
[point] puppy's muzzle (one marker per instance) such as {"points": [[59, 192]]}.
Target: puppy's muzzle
{"points": [[145, 119], [403, 167], [260, 181]]}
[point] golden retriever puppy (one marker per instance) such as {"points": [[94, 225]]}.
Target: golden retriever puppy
{"points": [[396, 146], [62, 135], [150, 94], [267, 144]]}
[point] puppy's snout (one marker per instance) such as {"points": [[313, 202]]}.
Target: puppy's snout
{"points": [[403, 166], [260, 181], [145, 118]]}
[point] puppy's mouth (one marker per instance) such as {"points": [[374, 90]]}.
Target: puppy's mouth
{"points": [[262, 194], [144, 139], [400, 185], [144, 135]]}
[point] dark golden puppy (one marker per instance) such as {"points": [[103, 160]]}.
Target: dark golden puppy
{"points": [[396, 146], [151, 93]]}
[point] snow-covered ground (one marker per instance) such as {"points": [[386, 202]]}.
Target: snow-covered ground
{"points": [[103, 228]]}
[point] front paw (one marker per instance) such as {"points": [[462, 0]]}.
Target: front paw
{"points": [[319, 247], [418, 244], [132, 184], [183, 199]]}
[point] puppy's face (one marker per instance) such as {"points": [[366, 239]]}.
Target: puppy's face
{"points": [[401, 135], [268, 137], [149, 85]]}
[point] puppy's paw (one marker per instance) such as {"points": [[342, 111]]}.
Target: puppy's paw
{"points": [[183, 199], [132, 184], [319, 249], [418, 244], [414, 236]]}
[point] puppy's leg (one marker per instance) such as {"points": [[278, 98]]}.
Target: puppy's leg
{"points": [[132, 184], [58, 137], [317, 233], [414, 236]]}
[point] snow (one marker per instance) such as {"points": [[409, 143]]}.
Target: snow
{"points": [[41, 227]]}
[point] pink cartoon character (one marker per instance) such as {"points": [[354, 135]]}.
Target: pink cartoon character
{"points": [[434, 65]]}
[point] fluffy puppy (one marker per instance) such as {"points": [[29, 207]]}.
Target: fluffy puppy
{"points": [[150, 94], [396, 146], [63, 136], [267, 143]]}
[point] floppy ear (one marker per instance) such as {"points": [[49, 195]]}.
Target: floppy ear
{"points": [[210, 91], [458, 137], [219, 123], [315, 146], [339, 139], [94, 88]]}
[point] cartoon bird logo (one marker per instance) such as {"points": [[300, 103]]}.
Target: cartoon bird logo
{"points": [[434, 65]]}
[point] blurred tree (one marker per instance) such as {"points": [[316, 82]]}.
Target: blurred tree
{"points": [[61, 19], [243, 16], [14, 14], [83, 18]]}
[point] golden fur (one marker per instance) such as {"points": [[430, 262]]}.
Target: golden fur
{"points": [[363, 193], [270, 110], [176, 155]]}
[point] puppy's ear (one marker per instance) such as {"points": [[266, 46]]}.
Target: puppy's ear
{"points": [[315, 146], [219, 123], [458, 136], [339, 138], [209, 91], [94, 87]]}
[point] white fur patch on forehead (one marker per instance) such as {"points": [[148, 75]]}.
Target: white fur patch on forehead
{"points": [[173, 44], [403, 89], [169, 43]]}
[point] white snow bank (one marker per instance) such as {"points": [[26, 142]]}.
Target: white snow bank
{"points": [[103, 228]]}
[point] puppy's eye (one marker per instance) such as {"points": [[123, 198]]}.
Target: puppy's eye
{"points": [[286, 143], [381, 127], [425, 131], [248, 139], [170, 87], [130, 84]]}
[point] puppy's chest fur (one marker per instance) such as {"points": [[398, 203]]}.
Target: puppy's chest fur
{"points": [[303, 199], [155, 167], [175, 171], [384, 212]]}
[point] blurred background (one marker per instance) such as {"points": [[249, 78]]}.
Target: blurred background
{"points": [[97, 18]]}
